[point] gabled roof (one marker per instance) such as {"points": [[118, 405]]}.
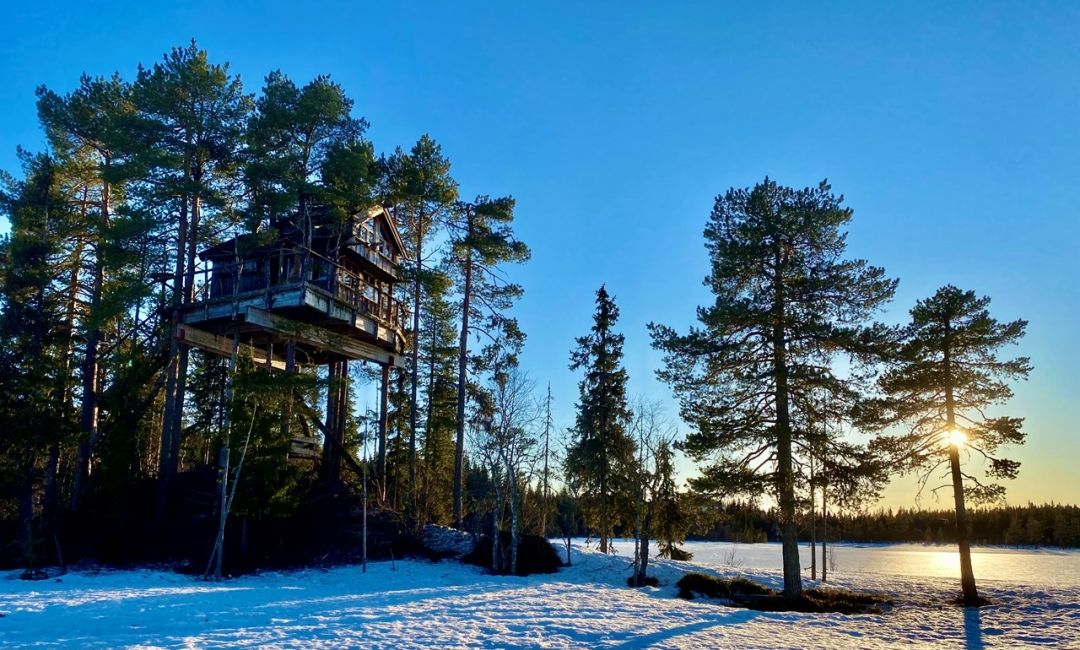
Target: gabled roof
{"points": [[289, 233], [391, 223]]}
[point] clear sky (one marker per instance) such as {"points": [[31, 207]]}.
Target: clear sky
{"points": [[954, 133]]}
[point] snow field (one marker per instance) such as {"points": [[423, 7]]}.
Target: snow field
{"points": [[449, 605]]}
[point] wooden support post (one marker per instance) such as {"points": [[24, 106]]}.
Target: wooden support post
{"points": [[223, 462], [331, 460], [290, 368]]}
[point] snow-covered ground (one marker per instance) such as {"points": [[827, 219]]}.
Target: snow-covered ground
{"points": [[419, 604]]}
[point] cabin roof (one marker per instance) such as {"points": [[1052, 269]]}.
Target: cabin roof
{"points": [[292, 235]]}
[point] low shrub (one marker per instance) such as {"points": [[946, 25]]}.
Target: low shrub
{"points": [[843, 601], [713, 587], [535, 555], [744, 593]]}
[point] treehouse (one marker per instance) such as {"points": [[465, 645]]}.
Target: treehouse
{"points": [[327, 291], [306, 291]]}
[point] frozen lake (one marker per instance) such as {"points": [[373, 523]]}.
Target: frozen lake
{"points": [[1037, 567]]}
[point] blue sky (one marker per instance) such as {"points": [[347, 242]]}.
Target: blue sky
{"points": [[954, 133]]}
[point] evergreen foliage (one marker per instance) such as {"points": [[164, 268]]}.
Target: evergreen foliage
{"points": [[600, 458], [947, 374], [787, 302]]}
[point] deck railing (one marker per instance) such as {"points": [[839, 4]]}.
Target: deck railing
{"points": [[290, 268]]}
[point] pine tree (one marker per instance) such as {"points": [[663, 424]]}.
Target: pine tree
{"points": [[786, 303], [601, 453], [948, 373], [482, 240], [93, 126], [419, 186], [192, 115]]}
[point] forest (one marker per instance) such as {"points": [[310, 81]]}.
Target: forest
{"points": [[116, 431], [1029, 525]]}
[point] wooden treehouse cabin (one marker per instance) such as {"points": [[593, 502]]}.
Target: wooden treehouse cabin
{"points": [[302, 294]]}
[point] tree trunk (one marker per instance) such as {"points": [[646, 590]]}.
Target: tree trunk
{"points": [[545, 497], [184, 351], [88, 422], [167, 465], [967, 575], [824, 533], [813, 524], [512, 495], [26, 510], [66, 381], [336, 408], [643, 551], [496, 560], [463, 357], [287, 410], [785, 475], [415, 353]]}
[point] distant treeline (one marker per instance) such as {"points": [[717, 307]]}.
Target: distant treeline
{"points": [[1034, 525]]}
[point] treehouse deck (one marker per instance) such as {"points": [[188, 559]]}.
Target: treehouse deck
{"points": [[323, 326], [328, 293]]}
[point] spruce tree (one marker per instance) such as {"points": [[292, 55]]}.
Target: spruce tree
{"points": [[32, 338], [786, 303], [948, 374], [671, 521], [438, 362], [601, 453]]}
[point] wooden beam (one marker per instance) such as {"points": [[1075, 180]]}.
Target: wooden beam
{"points": [[322, 338], [353, 464], [222, 345]]}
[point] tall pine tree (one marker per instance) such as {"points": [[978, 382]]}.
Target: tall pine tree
{"points": [[482, 240], [948, 374], [786, 303]]}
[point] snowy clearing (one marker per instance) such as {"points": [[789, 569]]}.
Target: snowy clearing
{"points": [[453, 605]]}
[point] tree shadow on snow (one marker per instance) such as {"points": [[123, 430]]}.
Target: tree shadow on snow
{"points": [[973, 629], [648, 640]]}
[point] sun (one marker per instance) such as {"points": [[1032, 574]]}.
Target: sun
{"points": [[957, 438]]}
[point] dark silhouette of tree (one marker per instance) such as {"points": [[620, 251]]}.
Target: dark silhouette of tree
{"points": [[191, 119], [947, 374]]}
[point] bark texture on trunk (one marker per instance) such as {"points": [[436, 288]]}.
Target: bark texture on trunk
{"points": [[785, 474], [88, 422], [463, 356]]}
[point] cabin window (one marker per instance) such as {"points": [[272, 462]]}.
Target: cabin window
{"points": [[368, 234]]}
